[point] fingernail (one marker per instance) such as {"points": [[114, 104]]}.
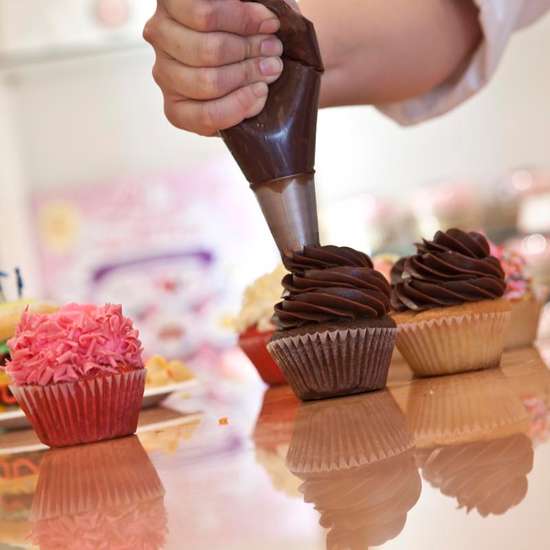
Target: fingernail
{"points": [[271, 66], [271, 46], [259, 89], [269, 26]]}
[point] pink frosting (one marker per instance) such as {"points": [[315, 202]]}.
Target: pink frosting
{"points": [[518, 283], [75, 342]]}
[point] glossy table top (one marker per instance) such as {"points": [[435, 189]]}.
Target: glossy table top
{"points": [[448, 463]]}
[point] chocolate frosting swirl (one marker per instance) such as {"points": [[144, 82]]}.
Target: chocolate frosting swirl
{"points": [[455, 268], [331, 284]]}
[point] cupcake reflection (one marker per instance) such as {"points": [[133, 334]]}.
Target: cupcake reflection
{"points": [[272, 436], [105, 495], [356, 459], [470, 433]]}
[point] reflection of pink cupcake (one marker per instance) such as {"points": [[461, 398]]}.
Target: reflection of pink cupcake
{"points": [[356, 459], [78, 374], [105, 495]]}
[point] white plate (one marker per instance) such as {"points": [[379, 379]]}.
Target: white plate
{"points": [[16, 419]]}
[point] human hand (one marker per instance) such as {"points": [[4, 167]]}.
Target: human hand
{"points": [[214, 61]]}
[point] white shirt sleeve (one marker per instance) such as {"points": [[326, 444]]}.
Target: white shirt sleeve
{"points": [[499, 19]]}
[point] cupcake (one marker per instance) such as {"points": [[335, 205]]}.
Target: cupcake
{"points": [[356, 459], [272, 435], [254, 324], [450, 311], [104, 495], [526, 300], [334, 334], [78, 373]]}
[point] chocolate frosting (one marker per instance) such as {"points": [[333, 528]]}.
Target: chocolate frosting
{"points": [[331, 284], [455, 268], [280, 141]]}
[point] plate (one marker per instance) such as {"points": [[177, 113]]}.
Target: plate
{"points": [[16, 419]]}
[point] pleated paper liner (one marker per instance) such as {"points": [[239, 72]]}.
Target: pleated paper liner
{"points": [[335, 362], [463, 407], [106, 475], [85, 411], [365, 506], [488, 476], [448, 345], [347, 433]]}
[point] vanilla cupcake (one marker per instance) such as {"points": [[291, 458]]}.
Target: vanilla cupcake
{"points": [[334, 334], [450, 312]]}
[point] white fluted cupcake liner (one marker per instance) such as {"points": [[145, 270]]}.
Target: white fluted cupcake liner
{"points": [[85, 411], [347, 433], [335, 362], [453, 344], [105, 475], [462, 408]]}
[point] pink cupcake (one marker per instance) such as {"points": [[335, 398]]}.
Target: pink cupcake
{"points": [[78, 373]]}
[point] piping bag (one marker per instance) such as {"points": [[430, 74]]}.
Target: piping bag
{"points": [[276, 149]]}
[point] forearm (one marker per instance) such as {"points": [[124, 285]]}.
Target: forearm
{"points": [[380, 51]]}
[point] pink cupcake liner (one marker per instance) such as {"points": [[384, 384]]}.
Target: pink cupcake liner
{"points": [[335, 362], [105, 475], [85, 411]]}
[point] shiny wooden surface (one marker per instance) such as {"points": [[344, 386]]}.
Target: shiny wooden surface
{"points": [[447, 463]]}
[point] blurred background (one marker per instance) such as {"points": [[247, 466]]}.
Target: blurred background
{"points": [[102, 200]]}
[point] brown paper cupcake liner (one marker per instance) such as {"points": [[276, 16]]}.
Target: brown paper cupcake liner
{"points": [[335, 362], [85, 411], [104, 475], [455, 344], [347, 433], [462, 408]]}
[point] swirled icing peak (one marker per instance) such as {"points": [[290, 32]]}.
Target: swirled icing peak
{"points": [[321, 257], [454, 268], [331, 283], [75, 342]]}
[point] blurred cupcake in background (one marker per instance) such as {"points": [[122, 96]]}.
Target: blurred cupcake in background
{"points": [[105, 495], [356, 459], [254, 326], [470, 433], [272, 435], [526, 298]]}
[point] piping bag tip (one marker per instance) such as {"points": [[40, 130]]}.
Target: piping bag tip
{"points": [[289, 207]]}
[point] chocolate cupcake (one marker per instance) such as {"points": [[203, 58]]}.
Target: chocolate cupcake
{"points": [[334, 335], [448, 298]]}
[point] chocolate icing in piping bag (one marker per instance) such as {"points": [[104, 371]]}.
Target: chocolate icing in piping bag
{"points": [[276, 149]]}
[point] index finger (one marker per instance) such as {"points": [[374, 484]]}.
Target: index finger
{"points": [[234, 16]]}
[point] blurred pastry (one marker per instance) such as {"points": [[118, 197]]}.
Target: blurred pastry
{"points": [[254, 324], [161, 372], [80, 358], [526, 299], [356, 459], [450, 312], [104, 495], [334, 334], [18, 479]]}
